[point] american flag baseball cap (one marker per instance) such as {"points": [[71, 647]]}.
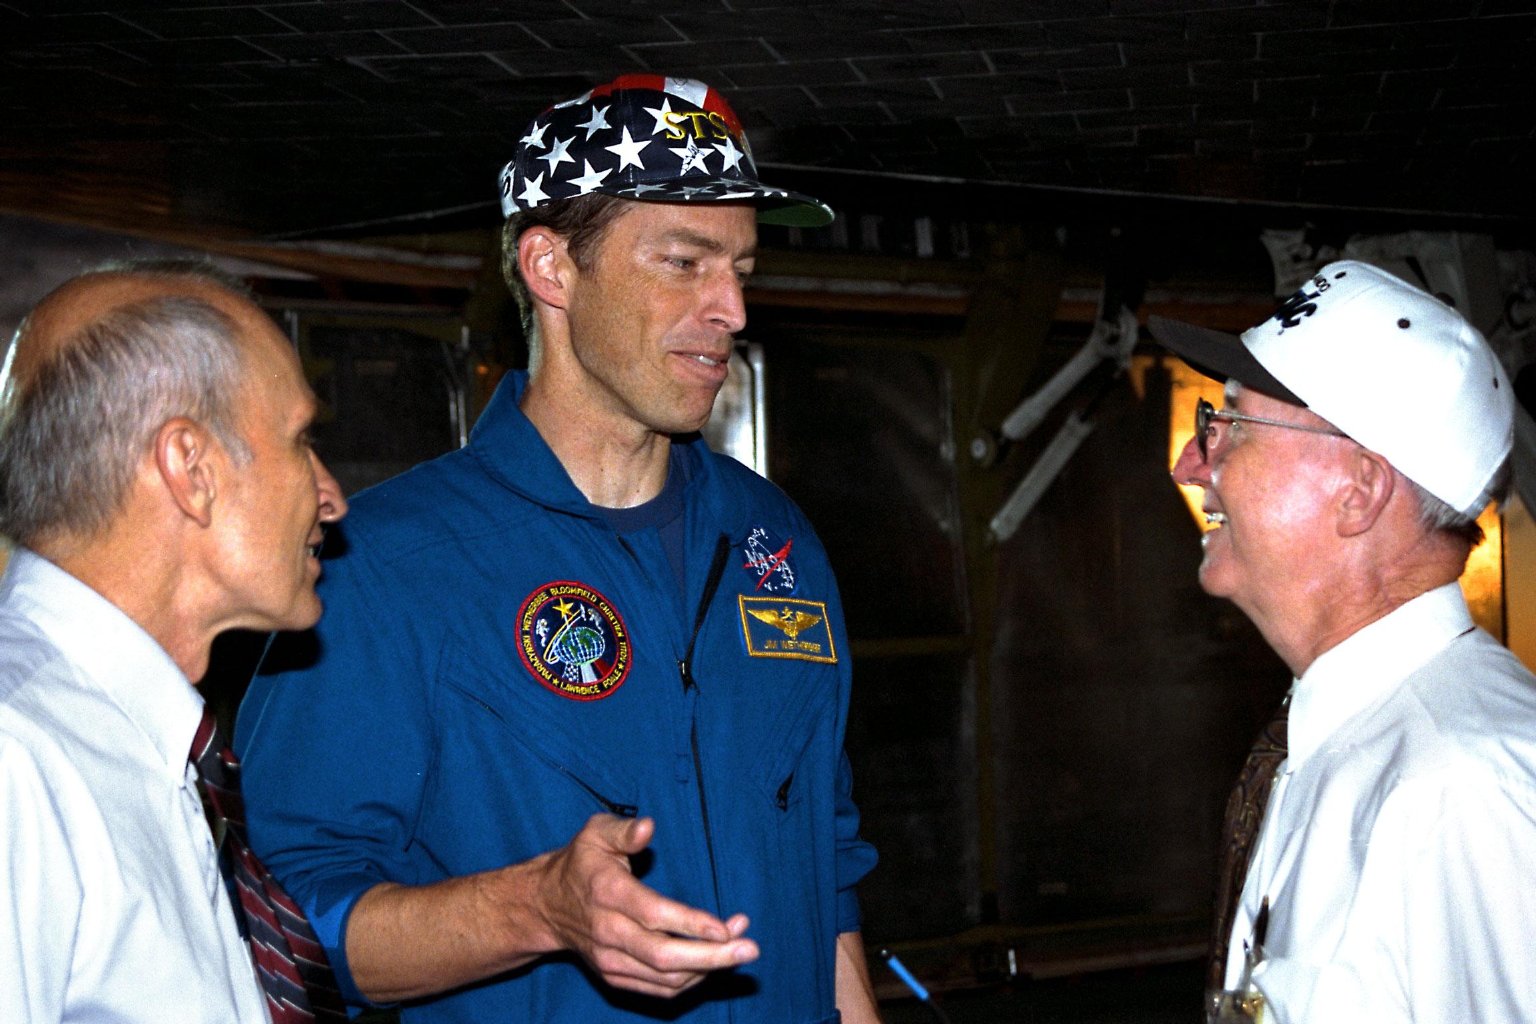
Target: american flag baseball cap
{"points": [[647, 137]]}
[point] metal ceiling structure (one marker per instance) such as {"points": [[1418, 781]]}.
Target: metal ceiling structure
{"points": [[329, 118]]}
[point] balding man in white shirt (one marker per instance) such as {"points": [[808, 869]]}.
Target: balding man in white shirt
{"points": [[157, 478]]}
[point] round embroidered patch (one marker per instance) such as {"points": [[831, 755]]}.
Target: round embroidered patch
{"points": [[573, 640]]}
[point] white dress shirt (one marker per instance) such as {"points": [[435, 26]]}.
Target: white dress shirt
{"points": [[111, 903], [1398, 851]]}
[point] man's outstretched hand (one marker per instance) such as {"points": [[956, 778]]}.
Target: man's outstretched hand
{"points": [[634, 937]]}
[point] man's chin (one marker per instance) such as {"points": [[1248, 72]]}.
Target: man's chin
{"points": [[304, 614], [1212, 580]]}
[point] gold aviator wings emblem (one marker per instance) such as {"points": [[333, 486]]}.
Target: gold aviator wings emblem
{"points": [[790, 622]]}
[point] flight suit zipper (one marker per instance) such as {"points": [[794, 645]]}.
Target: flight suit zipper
{"points": [[685, 671]]}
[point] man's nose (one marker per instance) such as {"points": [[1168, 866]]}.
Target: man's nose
{"points": [[333, 504], [727, 305], [1191, 468]]}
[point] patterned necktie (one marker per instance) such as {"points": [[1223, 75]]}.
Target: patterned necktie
{"points": [[1240, 828], [290, 962]]}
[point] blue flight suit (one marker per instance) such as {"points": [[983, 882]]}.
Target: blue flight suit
{"points": [[497, 663]]}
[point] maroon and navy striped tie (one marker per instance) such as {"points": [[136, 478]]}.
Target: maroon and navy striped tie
{"points": [[290, 962], [1244, 815]]}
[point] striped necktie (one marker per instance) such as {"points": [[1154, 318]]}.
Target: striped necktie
{"points": [[290, 962], [1240, 830]]}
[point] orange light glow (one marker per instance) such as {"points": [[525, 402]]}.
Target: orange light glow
{"points": [[1187, 388]]}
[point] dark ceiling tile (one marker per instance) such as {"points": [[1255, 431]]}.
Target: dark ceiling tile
{"points": [[345, 15], [480, 12], [1033, 102], [976, 92], [964, 38], [465, 39], [1255, 20], [1183, 51], [435, 70], [986, 11], [591, 65], [1142, 30], [306, 45], [48, 30], [1006, 61], [922, 66], [846, 42], [1146, 77], [698, 58], [1330, 42], [1171, 7], [574, 34], [704, 23], [774, 106], [171, 54], [206, 22], [887, 15], [1388, 12], [1148, 117], [806, 73]]}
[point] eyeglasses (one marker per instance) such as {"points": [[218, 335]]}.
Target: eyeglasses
{"points": [[1206, 414]]}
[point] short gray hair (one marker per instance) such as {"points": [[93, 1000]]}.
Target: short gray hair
{"points": [[73, 433], [1437, 516]]}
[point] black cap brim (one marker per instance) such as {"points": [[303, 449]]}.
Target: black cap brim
{"points": [[1219, 356], [774, 205]]}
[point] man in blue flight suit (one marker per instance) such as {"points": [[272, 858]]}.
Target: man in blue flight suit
{"points": [[569, 746]]}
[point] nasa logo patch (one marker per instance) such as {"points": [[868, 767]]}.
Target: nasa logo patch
{"points": [[573, 640], [766, 559]]}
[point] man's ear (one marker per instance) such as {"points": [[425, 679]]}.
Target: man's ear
{"points": [[1368, 486], [545, 265], [183, 453]]}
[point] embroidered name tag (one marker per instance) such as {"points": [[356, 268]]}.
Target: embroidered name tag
{"points": [[573, 640], [786, 627]]}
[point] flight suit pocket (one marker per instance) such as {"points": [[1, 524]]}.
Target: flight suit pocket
{"points": [[530, 722], [787, 739]]}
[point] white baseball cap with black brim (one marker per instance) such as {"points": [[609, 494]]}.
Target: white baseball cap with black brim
{"points": [[1392, 366]]}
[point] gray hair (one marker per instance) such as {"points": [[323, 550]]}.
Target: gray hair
{"points": [[73, 433], [1437, 516]]}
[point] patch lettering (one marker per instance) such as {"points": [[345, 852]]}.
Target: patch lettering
{"points": [[767, 560], [786, 627], [573, 640]]}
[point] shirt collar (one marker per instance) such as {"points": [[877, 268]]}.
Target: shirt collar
{"points": [[109, 651], [1369, 664]]}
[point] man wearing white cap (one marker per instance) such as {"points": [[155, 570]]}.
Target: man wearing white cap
{"points": [[574, 750], [1366, 426]]}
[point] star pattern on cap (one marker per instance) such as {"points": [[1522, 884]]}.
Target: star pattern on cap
{"points": [[628, 151], [597, 122], [591, 179], [609, 137], [557, 153], [535, 136], [692, 156], [731, 154], [533, 194], [661, 114]]}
